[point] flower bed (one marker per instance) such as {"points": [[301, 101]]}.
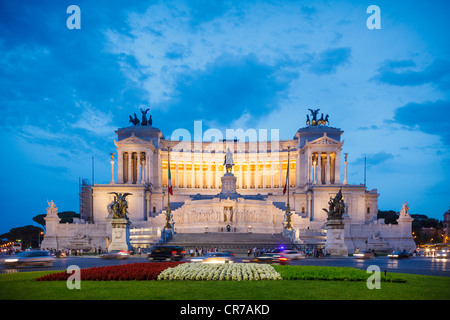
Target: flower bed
{"points": [[134, 271], [233, 271]]}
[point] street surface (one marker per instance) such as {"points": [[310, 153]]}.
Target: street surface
{"points": [[413, 265]]}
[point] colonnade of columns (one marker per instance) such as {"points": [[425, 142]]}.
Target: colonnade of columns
{"points": [[134, 167], [322, 167], [250, 175]]}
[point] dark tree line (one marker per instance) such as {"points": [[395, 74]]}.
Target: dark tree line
{"points": [[420, 221], [30, 236]]}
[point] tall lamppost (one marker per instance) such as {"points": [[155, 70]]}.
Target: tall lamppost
{"points": [[288, 209], [168, 212], [40, 233]]}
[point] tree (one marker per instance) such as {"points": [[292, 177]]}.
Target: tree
{"points": [[422, 222], [39, 219], [389, 216], [29, 235], [65, 216]]}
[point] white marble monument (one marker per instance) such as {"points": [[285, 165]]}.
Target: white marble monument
{"points": [[247, 187]]}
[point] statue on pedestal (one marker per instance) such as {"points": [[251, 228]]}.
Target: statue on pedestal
{"points": [[335, 244], [405, 209], [336, 207], [120, 205], [228, 162], [52, 210], [120, 233]]}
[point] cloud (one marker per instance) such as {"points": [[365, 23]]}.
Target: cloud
{"points": [[95, 121], [225, 90], [329, 60], [366, 128], [374, 159], [430, 117], [400, 73]]}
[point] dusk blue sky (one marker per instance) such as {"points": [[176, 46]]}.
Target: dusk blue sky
{"points": [[229, 64]]}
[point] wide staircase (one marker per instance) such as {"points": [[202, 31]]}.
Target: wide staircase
{"points": [[237, 243]]}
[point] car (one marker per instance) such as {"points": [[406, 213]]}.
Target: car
{"points": [[172, 253], [30, 258], [273, 258], [399, 255], [442, 253], [292, 254], [115, 254], [215, 257], [60, 254], [364, 254]]}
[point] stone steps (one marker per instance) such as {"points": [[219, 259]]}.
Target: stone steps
{"points": [[229, 241]]}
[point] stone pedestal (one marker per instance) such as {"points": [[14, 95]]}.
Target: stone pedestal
{"points": [[51, 222], [406, 241], [228, 183], [335, 245], [120, 235]]}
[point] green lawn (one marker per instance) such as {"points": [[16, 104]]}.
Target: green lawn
{"points": [[22, 286]]}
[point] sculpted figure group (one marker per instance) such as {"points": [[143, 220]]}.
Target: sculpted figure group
{"points": [[144, 122], [314, 121]]}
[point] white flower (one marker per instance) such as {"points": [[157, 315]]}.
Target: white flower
{"points": [[211, 272]]}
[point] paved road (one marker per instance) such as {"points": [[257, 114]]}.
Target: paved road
{"points": [[413, 265]]}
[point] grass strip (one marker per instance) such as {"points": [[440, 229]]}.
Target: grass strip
{"points": [[330, 274]]}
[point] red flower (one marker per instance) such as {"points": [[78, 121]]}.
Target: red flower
{"points": [[134, 271]]}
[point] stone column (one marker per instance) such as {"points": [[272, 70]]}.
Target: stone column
{"points": [[176, 174], [193, 174], [256, 176], [328, 173], [138, 167], [298, 173], [209, 175], [273, 174], [119, 167], [345, 169], [319, 168], [142, 168], [130, 167], [147, 205], [184, 174], [308, 203], [200, 169], [314, 170], [337, 167], [147, 162], [309, 167], [264, 174], [158, 179], [280, 174], [112, 172]]}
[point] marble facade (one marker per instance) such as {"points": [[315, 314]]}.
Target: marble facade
{"points": [[257, 204]]}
